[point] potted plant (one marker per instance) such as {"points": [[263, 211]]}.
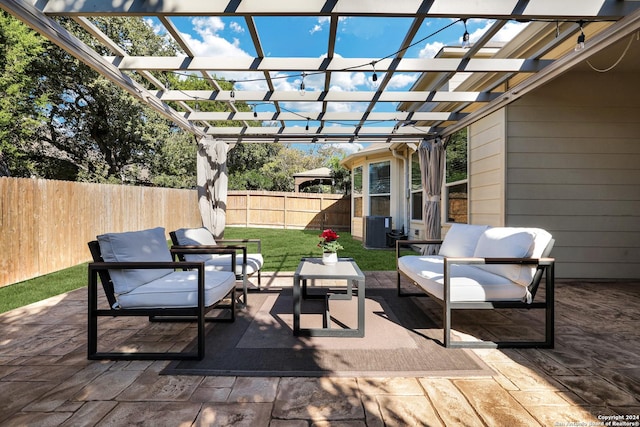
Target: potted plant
{"points": [[330, 246]]}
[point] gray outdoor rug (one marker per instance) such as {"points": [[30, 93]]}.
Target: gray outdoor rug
{"points": [[396, 343]]}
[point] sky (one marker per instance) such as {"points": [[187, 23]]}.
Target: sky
{"points": [[359, 37]]}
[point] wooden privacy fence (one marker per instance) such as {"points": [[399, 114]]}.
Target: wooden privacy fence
{"points": [[45, 225], [288, 210]]}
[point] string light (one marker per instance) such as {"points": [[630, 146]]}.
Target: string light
{"points": [[374, 77], [232, 94], [581, 38], [465, 36], [302, 87]]}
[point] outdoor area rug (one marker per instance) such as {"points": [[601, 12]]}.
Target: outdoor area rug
{"points": [[398, 341]]}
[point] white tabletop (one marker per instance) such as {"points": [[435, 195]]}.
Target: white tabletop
{"points": [[313, 268]]}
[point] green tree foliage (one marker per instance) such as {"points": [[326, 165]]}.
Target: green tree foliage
{"points": [[457, 156], [175, 163], [20, 105], [60, 119]]}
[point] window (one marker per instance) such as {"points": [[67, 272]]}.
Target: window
{"points": [[380, 188], [357, 192], [416, 188], [456, 180]]}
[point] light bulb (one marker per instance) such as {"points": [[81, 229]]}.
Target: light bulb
{"points": [[465, 40], [580, 42], [465, 37], [581, 38], [302, 89]]}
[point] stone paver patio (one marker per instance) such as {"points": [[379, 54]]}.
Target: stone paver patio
{"points": [[591, 377]]}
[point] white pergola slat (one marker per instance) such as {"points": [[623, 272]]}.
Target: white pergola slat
{"points": [[319, 66], [494, 77], [509, 9]]}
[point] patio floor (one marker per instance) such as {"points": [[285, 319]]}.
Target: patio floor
{"points": [[591, 377]]}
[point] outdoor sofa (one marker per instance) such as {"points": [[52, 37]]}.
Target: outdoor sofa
{"points": [[483, 267], [140, 278]]}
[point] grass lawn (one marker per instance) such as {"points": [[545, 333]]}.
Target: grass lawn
{"points": [[282, 250]]}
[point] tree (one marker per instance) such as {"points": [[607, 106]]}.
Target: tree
{"points": [[175, 163], [21, 107], [457, 156]]}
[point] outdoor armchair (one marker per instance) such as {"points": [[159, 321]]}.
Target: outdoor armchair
{"points": [[194, 242], [140, 278]]}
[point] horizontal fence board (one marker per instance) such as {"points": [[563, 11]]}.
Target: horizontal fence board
{"points": [[46, 224]]}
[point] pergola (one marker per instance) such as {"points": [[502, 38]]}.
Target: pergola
{"points": [[486, 78]]}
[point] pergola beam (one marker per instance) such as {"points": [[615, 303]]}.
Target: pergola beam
{"points": [[490, 9], [321, 65], [330, 96], [328, 116]]}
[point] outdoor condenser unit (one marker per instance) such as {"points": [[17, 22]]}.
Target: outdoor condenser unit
{"points": [[375, 231]]}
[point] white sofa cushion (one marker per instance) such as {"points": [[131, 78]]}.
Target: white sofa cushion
{"points": [[179, 290], [222, 262], [141, 246], [468, 283], [195, 237], [202, 236], [461, 240], [507, 242]]}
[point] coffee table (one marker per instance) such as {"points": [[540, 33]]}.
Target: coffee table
{"points": [[313, 269]]}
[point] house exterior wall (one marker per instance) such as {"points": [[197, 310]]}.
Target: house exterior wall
{"points": [[573, 168], [487, 142], [397, 203]]}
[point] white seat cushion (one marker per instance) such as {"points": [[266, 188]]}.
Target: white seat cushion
{"points": [[179, 290], [202, 236], [468, 283], [507, 242], [137, 246], [221, 262], [195, 237], [461, 240]]}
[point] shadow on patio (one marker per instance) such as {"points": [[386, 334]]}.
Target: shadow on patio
{"points": [[592, 374]]}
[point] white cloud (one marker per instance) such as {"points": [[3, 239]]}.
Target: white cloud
{"points": [[506, 33], [399, 81], [236, 28], [430, 50], [322, 22], [509, 31], [208, 42], [157, 27]]}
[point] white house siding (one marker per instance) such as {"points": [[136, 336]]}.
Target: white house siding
{"points": [[397, 202], [573, 167], [486, 139]]}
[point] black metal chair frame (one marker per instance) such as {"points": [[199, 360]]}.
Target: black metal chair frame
{"points": [[100, 269], [544, 267]]}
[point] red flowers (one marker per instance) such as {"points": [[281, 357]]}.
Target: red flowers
{"points": [[329, 241], [329, 235]]}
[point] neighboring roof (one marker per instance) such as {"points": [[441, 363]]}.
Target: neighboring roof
{"points": [[315, 173], [371, 150], [542, 52]]}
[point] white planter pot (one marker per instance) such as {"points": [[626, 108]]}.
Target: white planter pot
{"points": [[329, 258]]}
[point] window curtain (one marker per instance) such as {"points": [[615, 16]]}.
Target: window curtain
{"points": [[212, 184], [432, 157]]}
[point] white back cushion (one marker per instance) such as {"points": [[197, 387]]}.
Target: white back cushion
{"points": [[195, 237], [507, 242], [144, 245], [461, 240]]}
